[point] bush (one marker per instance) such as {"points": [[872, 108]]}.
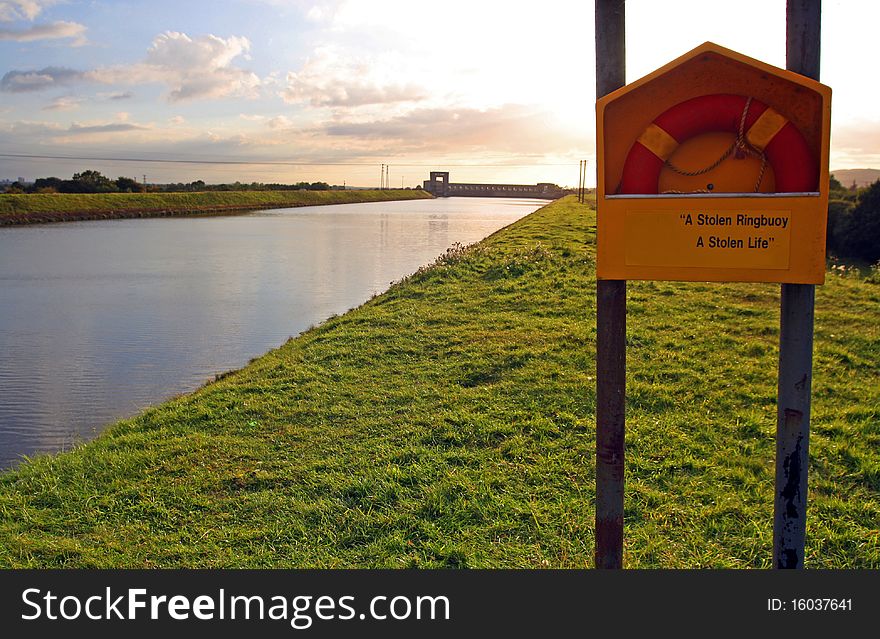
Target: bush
{"points": [[839, 212], [856, 233]]}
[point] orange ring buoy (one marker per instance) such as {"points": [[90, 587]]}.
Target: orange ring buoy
{"points": [[765, 130]]}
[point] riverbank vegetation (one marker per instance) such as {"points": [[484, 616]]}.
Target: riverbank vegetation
{"points": [[450, 423], [48, 207], [91, 181], [854, 222]]}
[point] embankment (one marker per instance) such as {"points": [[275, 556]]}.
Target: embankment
{"points": [[41, 208], [450, 423]]}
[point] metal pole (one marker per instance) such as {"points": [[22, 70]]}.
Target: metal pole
{"points": [[580, 177], [797, 306], [582, 180], [610, 327], [581, 183], [584, 184]]}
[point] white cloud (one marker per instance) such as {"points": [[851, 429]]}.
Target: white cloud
{"points": [[22, 9], [177, 120], [279, 122], [53, 31], [193, 68], [316, 14], [338, 78]]}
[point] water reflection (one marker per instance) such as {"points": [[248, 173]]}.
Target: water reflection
{"points": [[98, 320]]}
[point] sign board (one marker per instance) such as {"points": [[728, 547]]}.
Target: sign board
{"points": [[714, 168]]}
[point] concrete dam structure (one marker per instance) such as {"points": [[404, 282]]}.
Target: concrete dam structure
{"points": [[440, 186]]}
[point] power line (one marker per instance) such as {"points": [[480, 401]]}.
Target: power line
{"points": [[266, 162]]}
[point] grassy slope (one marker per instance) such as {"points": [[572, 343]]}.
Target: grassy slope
{"points": [[11, 205], [449, 422]]}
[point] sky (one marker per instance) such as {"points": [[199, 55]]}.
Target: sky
{"points": [[329, 90]]}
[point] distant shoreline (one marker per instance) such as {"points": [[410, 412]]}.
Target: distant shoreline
{"points": [[45, 208]]}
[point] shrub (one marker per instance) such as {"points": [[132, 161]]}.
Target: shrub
{"points": [[856, 234]]}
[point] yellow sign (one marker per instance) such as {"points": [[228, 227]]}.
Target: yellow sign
{"points": [[714, 168], [705, 238]]}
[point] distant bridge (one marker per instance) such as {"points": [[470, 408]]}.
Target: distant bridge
{"points": [[440, 186]]}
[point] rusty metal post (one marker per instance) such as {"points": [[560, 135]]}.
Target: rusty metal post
{"points": [[797, 307], [610, 327]]}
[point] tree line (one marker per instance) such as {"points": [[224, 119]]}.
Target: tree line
{"points": [[854, 222], [95, 182]]}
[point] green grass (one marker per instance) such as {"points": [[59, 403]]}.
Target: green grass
{"points": [[12, 206], [450, 423]]}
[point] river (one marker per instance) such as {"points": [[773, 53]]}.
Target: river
{"points": [[99, 320]]}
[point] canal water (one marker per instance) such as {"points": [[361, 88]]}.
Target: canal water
{"points": [[99, 320]]}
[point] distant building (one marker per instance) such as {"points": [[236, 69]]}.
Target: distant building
{"points": [[439, 185]]}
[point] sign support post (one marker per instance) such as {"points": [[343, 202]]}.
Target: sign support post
{"points": [[657, 222], [610, 327], [797, 307]]}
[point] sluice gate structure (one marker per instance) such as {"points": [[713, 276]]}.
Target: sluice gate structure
{"points": [[440, 186]]}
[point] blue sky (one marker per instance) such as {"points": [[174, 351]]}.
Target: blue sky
{"points": [[330, 89]]}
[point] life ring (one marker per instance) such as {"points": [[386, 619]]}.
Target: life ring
{"points": [[765, 130]]}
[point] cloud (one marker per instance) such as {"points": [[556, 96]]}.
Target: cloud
{"points": [[856, 144], [193, 68], [46, 78], [279, 122], [116, 127], [860, 136], [63, 103], [336, 78], [508, 128], [11, 10], [53, 31]]}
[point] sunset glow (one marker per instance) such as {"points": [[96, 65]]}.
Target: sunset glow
{"points": [[300, 90]]}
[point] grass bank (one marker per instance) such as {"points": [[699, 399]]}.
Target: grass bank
{"points": [[60, 207], [449, 423]]}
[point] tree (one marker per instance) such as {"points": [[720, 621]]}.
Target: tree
{"points": [[863, 236], [92, 182], [47, 185], [835, 184], [129, 185], [839, 212]]}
